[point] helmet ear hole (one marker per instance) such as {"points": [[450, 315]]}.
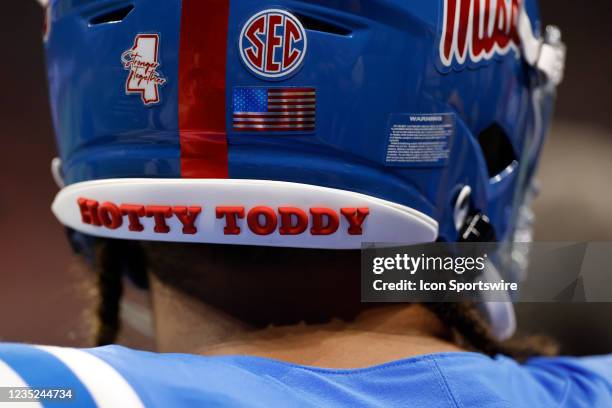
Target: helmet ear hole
{"points": [[496, 149]]}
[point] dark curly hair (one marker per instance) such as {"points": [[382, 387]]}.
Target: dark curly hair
{"points": [[263, 285]]}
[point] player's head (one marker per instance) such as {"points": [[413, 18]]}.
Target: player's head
{"points": [[298, 124]]}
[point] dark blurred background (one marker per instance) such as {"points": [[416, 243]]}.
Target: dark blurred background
{"points": [[42, 289]]}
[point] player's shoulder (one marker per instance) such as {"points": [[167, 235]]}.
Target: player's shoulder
{"points": [[91, 380], [115, 376], [542, 381], [583, 378]]}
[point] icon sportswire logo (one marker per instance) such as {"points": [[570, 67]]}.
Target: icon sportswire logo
{"points": [[478, 30], [142, 63], [273, 44]]}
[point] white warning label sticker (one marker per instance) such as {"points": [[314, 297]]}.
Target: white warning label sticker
{"points": [[419, 139]]}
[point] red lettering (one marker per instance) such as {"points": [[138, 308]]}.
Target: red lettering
{"points": [[292, 33], [159, 214], [482, 43], [449, 31], [187, 216], [255, 53], [89, 211], [261, 220], [480, 29], [110, 215], [318, 225], [273, 42], [287, 227], [231, 214], [254, 220], [462, 41], [506, 21], [134, 212], [355, 217]]}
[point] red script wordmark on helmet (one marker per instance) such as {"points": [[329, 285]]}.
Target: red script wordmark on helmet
{"points": [[476, 30], [260, 220]]}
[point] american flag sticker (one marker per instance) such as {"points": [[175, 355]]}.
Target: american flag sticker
{"points": [[257, 109]]}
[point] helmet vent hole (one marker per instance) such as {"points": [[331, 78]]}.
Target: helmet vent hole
{"points": [[112, 16], [496, 149], [323, 26]]}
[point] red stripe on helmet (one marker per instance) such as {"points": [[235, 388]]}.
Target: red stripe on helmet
{"points": [[202, 61]]}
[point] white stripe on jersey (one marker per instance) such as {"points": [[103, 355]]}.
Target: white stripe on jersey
{"points": [[106, 386], [9, 378]]}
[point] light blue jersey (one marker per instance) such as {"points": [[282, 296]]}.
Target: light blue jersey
{"points": [[115, 376]]}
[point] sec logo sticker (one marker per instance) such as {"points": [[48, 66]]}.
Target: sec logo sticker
{"points": [[273, 44]]}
